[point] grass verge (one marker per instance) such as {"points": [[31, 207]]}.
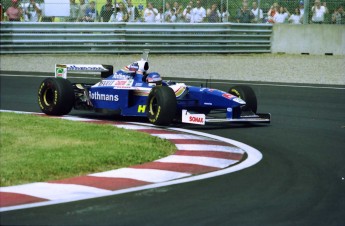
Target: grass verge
{"points": [[35, 148]]}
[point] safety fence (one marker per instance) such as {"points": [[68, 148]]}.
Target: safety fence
{"points": [[173, 10], [17, 37]]}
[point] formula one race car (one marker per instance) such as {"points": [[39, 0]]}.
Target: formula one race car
{"points": [[132, 91]]}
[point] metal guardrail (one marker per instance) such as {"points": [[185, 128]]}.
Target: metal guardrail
{"points": [[133, 37]]}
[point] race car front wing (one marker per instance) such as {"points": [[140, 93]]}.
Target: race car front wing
{"points": [[201, 119]]}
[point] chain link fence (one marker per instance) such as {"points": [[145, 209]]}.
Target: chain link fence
{"points": [[175, 11]]}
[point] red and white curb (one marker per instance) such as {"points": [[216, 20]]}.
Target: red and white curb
{"points": [[198, 156]]}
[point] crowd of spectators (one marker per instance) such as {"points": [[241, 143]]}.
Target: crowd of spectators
{"points": [[174, 12]]}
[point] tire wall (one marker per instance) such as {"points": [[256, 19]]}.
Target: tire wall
{"points": [[318, 39]]}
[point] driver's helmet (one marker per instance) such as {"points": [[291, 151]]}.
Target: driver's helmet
{"points": [[154, 77]]}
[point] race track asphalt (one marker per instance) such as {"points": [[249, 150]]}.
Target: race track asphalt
{"points": [[299, 181]]}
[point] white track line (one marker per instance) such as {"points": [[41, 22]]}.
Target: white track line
{"points": [[203, 161], [180, 136], [208, 147], [147, 175], [53, 191], [134, 127]]}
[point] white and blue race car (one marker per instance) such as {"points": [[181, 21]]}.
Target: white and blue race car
{"points": [[133, 91]]}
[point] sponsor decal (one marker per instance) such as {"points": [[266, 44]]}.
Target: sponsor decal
{"points": [[101, 96], [196, 119], [193, 118], [123, 84], [141, 108], [107, 83], [228, 95], [122, 75], [208, 104], [60, 71], [81, 67]]}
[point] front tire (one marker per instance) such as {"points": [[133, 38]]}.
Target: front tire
{"points": [[56, 96], [247, 94], [161, 105]]}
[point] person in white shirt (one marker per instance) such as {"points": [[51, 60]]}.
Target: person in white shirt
{"points": [[178, 12], [224, 14], [319, 12], [258, 14], [187, 12], [150, 13], [296, 18], [133, 12], [281, 16], [121, 14], [198, 13], [32, 11], [301, 7]]}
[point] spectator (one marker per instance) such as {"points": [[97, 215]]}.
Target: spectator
{"points": [[106, 11], [244, 15], [14, 12], [178, 12], [173, 17], [338, 17], [121, 14], [82, 11], [273, 10], [32, 11], [258, 15], [213, 14], [133, 12], [150, 13], [296, 18], [281, 16], [187, 13], [160, 16], [1, 13], [301, 7], [224, 14], [73, 11], [198, 14], [319, 12], [167, 14], [91, 13]]}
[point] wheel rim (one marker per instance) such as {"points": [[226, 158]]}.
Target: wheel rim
{"points": [[153, 106], [48, 96]]}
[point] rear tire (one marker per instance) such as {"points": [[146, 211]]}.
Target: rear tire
{"points": [[161, 105], [247, 94], [56, 96]]}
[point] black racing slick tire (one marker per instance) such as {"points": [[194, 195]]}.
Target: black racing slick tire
{"points": [[56, 96], [247, 94], [161, 105]]}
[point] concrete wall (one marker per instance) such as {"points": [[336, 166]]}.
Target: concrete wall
{"points": [[316, 39]]}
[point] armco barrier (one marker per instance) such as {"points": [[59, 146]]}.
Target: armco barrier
{"points": [[20, 37]]}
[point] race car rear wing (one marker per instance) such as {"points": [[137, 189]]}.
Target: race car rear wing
{"points": [[62, 69]]}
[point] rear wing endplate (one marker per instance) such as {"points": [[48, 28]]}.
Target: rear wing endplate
{"points": [[62, 69]]}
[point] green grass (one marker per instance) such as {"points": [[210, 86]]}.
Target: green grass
{"points": [[35, 148]]}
